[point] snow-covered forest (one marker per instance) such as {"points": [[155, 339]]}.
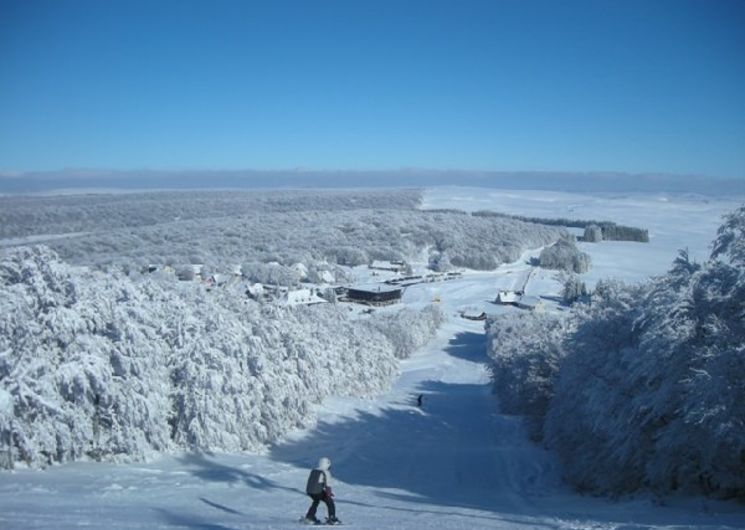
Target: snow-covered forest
{"points": [[643, 388], [192, 404], [98, 360], [609, 230], [95, 365], [27, 215], [223, 231]]}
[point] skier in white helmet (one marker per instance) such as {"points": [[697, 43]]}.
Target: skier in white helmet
{"points": [[318, 488]]}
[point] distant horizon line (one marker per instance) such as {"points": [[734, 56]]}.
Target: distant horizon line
{"points": [[102, 171], [143, 180]]}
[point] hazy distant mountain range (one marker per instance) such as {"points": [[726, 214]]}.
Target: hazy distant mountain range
{"points": [[82, 180]]}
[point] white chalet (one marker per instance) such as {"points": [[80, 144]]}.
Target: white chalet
{"points": [[302, 297], [518, 299], [531, 303], [507, 297], [473, 313], [217, 280], [255, 291]]}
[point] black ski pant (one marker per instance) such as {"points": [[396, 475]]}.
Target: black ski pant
{"points": [[317, 498]]}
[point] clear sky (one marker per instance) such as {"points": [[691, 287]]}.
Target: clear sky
{"points": [[631, 86]]}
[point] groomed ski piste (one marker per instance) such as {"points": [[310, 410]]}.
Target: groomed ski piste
{"points": [[455, 462]]}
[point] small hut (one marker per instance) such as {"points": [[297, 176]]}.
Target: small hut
{"points": [[531, 303], [507, 297], [473, 313]]}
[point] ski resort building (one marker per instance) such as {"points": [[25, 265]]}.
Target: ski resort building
{"points": [[216, 280], [302, 297], [518, 299], [393, 266], [531, 303], [473, 313], [374, 295], [508, 297], [255, 291], [189, 272]]}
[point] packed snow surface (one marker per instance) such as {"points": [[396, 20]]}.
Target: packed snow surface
{"points": [[454, 463]]}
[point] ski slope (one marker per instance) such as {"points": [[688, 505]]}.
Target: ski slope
{"points": [[455, 463]]}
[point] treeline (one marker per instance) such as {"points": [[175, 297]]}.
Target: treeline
{"points": [[644, 388], [319, 230], [610, 230], [22, 216], [614, 232]]}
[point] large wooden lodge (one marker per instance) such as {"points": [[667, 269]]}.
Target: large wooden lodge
{"points": [[374, 295]]}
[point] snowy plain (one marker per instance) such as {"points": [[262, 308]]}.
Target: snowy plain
{"points": [[455, 463]]}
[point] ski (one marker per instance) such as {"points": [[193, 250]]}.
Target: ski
{"points": [[305, 521]]}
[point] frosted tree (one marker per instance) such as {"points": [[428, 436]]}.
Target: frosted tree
{"points": [[646, 386], [527, 349], [408, 329], [564, 255], [75, 374], [593, 234], [730, 241], [573, 288], [660, 405], [593, 396], [94, 365]]}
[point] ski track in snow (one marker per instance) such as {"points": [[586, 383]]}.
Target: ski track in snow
{"points": [[455, 463]]}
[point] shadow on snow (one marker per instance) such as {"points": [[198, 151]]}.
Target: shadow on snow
{"points": [[420, 456], [455, 453], [189, 521], [468, 346], [209, 470]]}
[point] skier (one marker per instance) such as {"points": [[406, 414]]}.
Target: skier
{"points": [[318, 488]]}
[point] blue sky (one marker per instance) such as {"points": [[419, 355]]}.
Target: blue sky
{"points": [[631, 86]]}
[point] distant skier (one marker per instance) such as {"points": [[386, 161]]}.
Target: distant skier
{"points": [[318, 488]]}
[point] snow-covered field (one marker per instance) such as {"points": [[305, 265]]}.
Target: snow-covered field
{"points": [[456, 463], [674, 222]]}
